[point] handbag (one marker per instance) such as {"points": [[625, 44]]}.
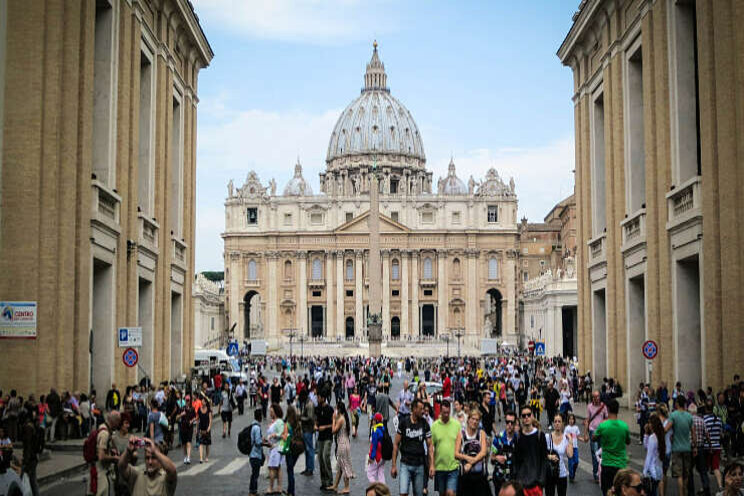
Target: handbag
{"points": [[163, 421], [554, 469]]}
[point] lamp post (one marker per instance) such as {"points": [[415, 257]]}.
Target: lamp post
{"points": [[302, 347], [458, 334], [291, 334], [446, 338]]}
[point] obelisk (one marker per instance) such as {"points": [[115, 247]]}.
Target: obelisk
{"points": [[374, 320]]}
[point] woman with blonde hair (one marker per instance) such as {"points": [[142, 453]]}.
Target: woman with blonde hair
{"points": [[627, 482]]}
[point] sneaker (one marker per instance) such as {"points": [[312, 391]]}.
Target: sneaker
{"points": [[185, 461]]}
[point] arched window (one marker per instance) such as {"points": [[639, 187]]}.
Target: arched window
{"points": [[493, 268], [317, 269], [427, 268], [456, 268], [396, 270], [287, 269], [252, 271], [349, 270]]}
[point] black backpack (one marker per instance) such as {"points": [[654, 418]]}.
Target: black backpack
{"points": [[245, 441], [387, 445]]}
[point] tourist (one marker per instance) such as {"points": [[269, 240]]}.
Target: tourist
{"points": [[355, 402], [471, 448], [530, 457], [444, 432], [511, 488], [106, 455], [627, 482], [158, 476], [733, 475], [274, 436], [459, 415], [227, 404], [324, 426], [502, 450], [343, 448], [714, 425], [699, 440], [655, 443], [256, 456], [307, 422], [613, 436], [377, 489], [291, 428], [187, 419], [596, 413], [572, 430], [32, 437], [204, 436], [411, 435], [680, 423], [375, 463], [560, 449]]}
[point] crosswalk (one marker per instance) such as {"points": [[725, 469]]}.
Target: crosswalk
{"points": [[230, 466]]}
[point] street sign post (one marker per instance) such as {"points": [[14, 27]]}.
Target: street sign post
{"points": [[232, 349], [650, 349], [130, 357], [540, 348], [130, 337]]}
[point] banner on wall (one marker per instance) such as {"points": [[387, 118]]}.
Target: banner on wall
{"points": [[17, 319]]}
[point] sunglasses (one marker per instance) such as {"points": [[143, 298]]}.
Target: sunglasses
{"points": [[526, 415], [510, 421], [637, 488]]}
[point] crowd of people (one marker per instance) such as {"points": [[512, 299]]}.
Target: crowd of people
{"points": [[443, 439]]}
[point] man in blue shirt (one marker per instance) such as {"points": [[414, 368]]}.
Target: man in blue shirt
{"points": [[256, 456]]}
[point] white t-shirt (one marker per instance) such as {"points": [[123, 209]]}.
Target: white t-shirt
{"points": [[575, 432], [560, 450]]}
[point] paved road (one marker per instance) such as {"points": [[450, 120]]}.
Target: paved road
{"points": [[228, 472]]}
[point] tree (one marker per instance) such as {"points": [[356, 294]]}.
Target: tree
{"points": [[214, 276]]}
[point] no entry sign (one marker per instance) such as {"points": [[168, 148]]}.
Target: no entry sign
{"points": [[650, 349], [130, 357]]}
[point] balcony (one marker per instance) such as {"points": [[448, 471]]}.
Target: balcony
{"points": [[316, 283], [428, 283], [634, 230], [179, 253], [684, 205], [148, 233], [105, 207], [252, 283], [597, 253]]}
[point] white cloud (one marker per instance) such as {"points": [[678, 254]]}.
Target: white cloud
{"points": [[315, 21]]}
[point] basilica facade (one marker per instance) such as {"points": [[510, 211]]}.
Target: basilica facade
{"points": [[297, 262]]}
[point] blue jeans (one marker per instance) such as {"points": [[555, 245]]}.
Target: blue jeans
{"points": [[594, 446], [309, 451], [411, 475], [291, 460], [444, 481], [255, 468], [573, 463]]}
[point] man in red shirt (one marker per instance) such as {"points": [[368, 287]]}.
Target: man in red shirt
{"points": [[447, 386]]}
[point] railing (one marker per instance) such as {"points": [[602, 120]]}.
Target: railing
{"points": [[316, 283], [148, 232], [596, 247], [684, 203], [179, 252], [253, 283], [634, 229], [427, 283], [106, 202]]}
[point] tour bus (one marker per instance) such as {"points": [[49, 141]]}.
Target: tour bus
{"points": [[212, 360]]}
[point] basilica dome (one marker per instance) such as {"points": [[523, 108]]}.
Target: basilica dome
{"points": [[376, 123], [298, 186], [452, 185]]}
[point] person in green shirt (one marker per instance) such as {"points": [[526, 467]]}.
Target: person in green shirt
{"points": [[443, 434], [613, 436], [680, 421]]}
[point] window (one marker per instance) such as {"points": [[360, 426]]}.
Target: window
{"points": [[456, 268], [427, 217], [287, 219], [532, 321], [525, 276], [252, 271], [635, 161], [349, 293], [176, 192], [493, 213], [394, 216], [316, 218], [145, 169], [317, 294], [317, 269], [598, 165], [349, 216], [455, 217], [393, 186], [428, 268], [288, 270], [396, 270], [427, 292], [493, 268], [349, 270], [396, 292], [104, 107], [252, 215], [212, 324]]}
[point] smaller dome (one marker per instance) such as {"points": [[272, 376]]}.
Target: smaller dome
{"points": [[452, 185], [297, 186]]}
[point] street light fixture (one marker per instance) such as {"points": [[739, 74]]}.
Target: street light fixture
{"points": [[446, 338], [292, 333], [302, 347], [458, 334]]}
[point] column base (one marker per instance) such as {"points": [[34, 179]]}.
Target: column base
{"points": [[374, 331]]}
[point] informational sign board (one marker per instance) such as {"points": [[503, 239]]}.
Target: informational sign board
{"points": [[650, 349], [130, 357], [130, 337], [17, 319], [540, 348], [232, 349]]}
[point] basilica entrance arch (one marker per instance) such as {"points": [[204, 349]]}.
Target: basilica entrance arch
{"points": [[428, 318], [349, 327], [316, 321], [493, 313], [251, 314], [395, 328]]}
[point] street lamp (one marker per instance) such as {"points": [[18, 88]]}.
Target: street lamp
{"points": [[446, 338], [291, 334], [458, 334], [302, 347]]}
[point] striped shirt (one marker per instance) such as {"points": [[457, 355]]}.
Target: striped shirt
{"points": [[715, 427], [701, 433]]}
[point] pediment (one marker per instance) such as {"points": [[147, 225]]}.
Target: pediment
{"points": [[359, 225]]}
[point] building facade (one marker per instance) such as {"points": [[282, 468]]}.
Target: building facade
{"points": [[658, 92], [209, 313], [97, 166], [298, 261]]}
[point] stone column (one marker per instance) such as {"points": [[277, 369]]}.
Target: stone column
{"points": [[270, 331], [508, 325], [235, 289], [340, 292], [359, 293], [404, 282], [385, 292], [414, 331], [442, 288], [329, 317], [302, 292], [471, 293]]}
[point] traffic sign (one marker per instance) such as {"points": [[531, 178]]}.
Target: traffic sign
{"points": [[531, 346], [130, 357], [540, 348], [232, 349], [650, 349], [130, 336]]}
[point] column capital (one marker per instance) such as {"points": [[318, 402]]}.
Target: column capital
{"points": [[301, 254], [385, 253], [442, 252], [272, 255], [472, 252], [234, 255], [358, 253], [340, 254]]}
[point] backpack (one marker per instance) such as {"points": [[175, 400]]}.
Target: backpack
{"points": [[387, 445], [245, 440], [296, 443], [90, 452]]}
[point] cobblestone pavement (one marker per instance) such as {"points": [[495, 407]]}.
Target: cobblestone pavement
{"points": [[228, 472]]}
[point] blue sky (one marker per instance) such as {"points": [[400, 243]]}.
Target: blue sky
{"points": [[481, 79]]}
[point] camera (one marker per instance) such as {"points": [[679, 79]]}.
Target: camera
{"points": [[139, 442]]}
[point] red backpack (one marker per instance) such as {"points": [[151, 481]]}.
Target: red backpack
{"points": [[90, 451]]}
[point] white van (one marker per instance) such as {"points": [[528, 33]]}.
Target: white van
{"points": [[207, 360]]}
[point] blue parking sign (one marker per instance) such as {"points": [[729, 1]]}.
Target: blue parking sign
{"points": [[123, 336]]}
